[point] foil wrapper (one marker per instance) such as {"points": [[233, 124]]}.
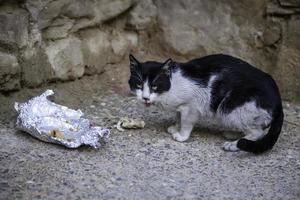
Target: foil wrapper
{"points": [[58, 124]]}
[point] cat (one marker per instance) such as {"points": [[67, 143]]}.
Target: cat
{"points": [[219, 89]]}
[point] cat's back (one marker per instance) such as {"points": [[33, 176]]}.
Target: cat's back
{"points": [[225, 67], [231, 75], [217, 63]]}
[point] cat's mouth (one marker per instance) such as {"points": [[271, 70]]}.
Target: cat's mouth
{"points": [[147, 104]]}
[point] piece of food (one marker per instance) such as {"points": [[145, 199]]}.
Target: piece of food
{"points": [[57, 134], [129, 123]]}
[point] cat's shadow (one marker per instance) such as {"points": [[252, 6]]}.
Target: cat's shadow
{"points": [[197, 133]]}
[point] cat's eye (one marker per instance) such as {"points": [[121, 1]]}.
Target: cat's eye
{"points": [[154, 87], [139, 86]]}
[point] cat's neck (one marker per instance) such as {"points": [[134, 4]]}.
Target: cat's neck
{"points": [[182, 91]]}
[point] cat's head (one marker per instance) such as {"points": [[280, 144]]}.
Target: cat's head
{"points": [[150, 79]]}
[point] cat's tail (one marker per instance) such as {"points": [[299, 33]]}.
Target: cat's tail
{"points": [[268, 141]]}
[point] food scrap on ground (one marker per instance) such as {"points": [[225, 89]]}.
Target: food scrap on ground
{"points": [[129, 123]]}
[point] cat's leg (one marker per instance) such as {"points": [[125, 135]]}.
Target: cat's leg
{"points": [[230, 146], [188, 119], [251, 134], [175, 128]]}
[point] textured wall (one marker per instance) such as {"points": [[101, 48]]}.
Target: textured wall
{"points": [[46, 40]]}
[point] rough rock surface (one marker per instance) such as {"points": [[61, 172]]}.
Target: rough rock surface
{"points": [[288, 61], [205, 27], [263, 32], [96, 50], [42, 35], [66, 59], [140, 164], [14, 26], [36, 68], [142, 15], [9, 72], [100, 48], [59, 28]]}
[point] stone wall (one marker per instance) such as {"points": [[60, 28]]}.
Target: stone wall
{"points": [[47, 40]]}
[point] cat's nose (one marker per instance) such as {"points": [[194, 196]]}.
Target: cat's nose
{"points": [[146, 99]]}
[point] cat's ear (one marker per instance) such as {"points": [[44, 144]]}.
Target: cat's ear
{"points": [[134, 63], [167, 66]]}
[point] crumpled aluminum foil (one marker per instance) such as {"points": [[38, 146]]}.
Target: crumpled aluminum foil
{"points": [[58, 124]]}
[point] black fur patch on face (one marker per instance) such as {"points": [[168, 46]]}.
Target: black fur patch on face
{"points": [[157, 74]]}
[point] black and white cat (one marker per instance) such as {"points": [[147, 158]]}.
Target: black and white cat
{"points": [[216, 89]]}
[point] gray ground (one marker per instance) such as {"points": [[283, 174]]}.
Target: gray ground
{"points": [[139, 164]]}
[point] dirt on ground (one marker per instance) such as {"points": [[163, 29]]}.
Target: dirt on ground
{"points": [[139, 164]]}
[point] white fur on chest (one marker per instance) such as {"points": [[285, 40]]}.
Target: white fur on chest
{"points": [[185, 92]]}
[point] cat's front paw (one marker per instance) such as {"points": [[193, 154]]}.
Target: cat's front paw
{"points": [[230, 146], [172, 129], [178, 137]]}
